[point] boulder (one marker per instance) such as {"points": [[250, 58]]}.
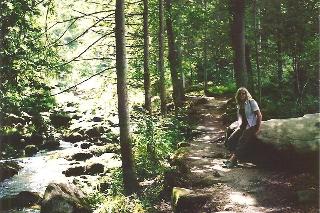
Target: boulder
{"points": [[13, 139], [287, 143], [97, 119], [60, 120], [74, 171], [23, 199], [13, 119], [73, 137], [30, 150], [8, 169], [85, 145], [95, 168], [66, 198], [81, 156], [183, 144], [95, 131], [36, 139], [186, 200], [300, 134], [51, 144]]}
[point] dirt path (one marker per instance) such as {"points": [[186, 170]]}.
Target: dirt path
{"points": [[247, 188]]}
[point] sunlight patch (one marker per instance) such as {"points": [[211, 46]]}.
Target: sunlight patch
{"points": [[242, 199]]}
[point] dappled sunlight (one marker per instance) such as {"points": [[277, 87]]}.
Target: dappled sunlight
{"points": [[206, 137], [206, 128], [195, 158], [242, 199], [199, 171]]}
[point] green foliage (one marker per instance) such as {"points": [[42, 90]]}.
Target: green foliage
{"points": [[154, 141], [120, 204], [26, 61], [229, 88]]}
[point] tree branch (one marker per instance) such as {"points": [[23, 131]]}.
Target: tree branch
{"points": [[98, 73], [68, 62]]}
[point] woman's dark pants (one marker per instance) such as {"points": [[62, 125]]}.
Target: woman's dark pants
{"points": [[240, 142]]}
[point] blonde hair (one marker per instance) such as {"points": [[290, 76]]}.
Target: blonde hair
{"points": [[242, 89]]}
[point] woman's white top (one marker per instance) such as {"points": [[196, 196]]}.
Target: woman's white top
{"points": [[250, 106]]}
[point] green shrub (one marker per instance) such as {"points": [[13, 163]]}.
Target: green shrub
{"points": [[120, 204], [229, 88], [154, 142]]}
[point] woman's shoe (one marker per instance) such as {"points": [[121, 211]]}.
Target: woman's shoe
{"points": [[230, 164]]}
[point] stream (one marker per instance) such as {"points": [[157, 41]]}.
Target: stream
{"points": [[45, 167]]}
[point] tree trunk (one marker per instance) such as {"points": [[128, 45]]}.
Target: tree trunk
{"points": [[278, 36], [205, 54], [249, 69], [173, 59], [161, 61], [146, 58], [257, 44], [238, 42], [128, 167]]}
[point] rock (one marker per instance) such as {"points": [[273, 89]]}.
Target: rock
{"points": [[95, 168], [301, 134], [66, 198], [108, 148], [186, 200], [13, 139], [291, 143], [30, 150], [97, 119], [74, 171], [286, 143], [85, 145], [60, 120], [178, 160], [8, 169], [36, 139], [81, 156], [76, 116], [51, 145], [13, 119], [95, 131], [23, 199], [183, 144], [73, 137]]}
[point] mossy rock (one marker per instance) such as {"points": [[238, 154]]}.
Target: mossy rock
{"points": [[186, 200], [180, 153]]}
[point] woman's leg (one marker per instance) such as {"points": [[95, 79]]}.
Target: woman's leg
{"points": [[232, 141], [245, 143]]}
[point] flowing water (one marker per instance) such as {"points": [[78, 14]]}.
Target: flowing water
{"points": [[45, 167]]}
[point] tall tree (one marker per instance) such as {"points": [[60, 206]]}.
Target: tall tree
{"points": [[205, 52], [257, 42], [249, 68], [173, 58], [278, 36], [238, 42], [146, 58], [128, 167], [161, 60]]}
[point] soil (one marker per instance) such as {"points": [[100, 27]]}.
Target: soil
{"points": [[247, 188]]}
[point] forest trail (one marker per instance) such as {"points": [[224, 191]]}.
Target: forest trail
{"points": [[247, 188]]}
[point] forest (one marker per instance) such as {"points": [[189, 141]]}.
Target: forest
{"points": [[106, 95]]}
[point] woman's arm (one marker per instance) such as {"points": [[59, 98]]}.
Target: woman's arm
{"points": [[259, 119]]}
